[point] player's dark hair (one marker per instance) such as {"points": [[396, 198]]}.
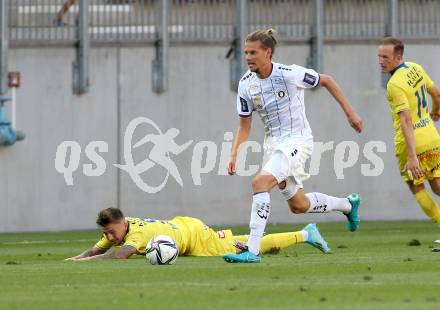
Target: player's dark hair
{"points": [[266, 37], [395, 42], [108, 216]]}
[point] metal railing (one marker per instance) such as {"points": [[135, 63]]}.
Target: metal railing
{"points": [[214, 20], [123, 20], [419, 18], [202, 20], [35, 21], [292, 19], [354, 19]]}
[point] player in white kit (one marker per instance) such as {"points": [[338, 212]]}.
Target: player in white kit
{"points": [[276, 92]]}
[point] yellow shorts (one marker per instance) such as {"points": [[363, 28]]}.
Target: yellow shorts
{"points": [[201, 240], [429, 163]]}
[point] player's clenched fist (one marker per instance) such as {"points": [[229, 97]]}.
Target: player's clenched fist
{"points": [[435, 116], [356, 122], [231, 166]]}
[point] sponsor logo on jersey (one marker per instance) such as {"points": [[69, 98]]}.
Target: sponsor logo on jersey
{"points": [[221, 234], [281, 93], [278, 81], [309, 79], [414, 77], [268, 91], [285, 69], [423, 123], [244, 105], [254, 89]]}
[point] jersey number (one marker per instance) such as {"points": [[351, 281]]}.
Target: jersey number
{"points": [[421, 101]]}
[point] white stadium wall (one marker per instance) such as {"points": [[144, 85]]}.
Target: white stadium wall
{"points": [[200, 104]]}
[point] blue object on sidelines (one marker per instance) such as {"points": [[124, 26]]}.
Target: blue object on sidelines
{"points": [[7, 134]]}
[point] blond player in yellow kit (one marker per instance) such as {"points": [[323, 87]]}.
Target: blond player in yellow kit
{"points": [[192, 236], [417, 142]]}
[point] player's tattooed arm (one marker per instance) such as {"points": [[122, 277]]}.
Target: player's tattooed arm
{"points": [[90, 252], [434, 91], [123, 253]]}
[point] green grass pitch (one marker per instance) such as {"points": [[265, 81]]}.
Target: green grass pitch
{"points": [[373, 268]]}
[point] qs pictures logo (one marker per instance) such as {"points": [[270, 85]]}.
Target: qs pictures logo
{"points": [[206, 157]]}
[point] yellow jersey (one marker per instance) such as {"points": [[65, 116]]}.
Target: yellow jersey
{"points": [[140, 231], [191, 235], [407, 89]]}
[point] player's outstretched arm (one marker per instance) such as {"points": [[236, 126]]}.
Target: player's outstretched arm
{"points": [[241, 136], [123, 253], [90, 252], [333, 88], [412, 165], [434, 91]]}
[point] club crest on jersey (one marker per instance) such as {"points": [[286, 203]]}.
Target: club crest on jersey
{"points": [[281, 94]]}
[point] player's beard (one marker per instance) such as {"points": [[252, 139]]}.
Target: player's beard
{"points": [[255, 70], [253, 67]]}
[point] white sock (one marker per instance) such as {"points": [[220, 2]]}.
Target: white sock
{"points": [[259, 215], [305, 235], [322, 203]]}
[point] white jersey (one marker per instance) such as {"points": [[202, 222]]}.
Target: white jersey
{"points": [[279, 100]]}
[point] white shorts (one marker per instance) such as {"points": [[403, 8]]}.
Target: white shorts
{"points": [[288, 159]]}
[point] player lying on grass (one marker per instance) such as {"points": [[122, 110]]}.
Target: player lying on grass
{"points": [[192, 236]]}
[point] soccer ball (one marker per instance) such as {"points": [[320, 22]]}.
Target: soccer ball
{"points": [[161, 250]]}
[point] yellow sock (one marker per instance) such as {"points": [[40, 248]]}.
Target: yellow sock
{"points": [[279, 241], [428, 205]]}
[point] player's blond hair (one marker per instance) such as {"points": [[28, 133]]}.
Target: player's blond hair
{"points": [[397, 44], [266, 37]]}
